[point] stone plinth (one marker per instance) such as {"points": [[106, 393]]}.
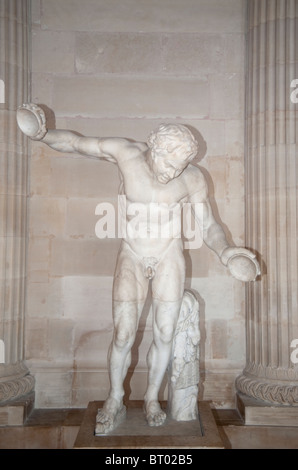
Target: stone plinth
{"points": [[134, 432], [255, 412], [15, 413]]}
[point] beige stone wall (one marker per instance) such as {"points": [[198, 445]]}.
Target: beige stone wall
{"points": [[119, 68]]}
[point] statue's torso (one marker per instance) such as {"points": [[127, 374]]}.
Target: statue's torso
{"points": [[152, 210]]}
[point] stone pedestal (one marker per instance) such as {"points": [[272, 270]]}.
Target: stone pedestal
{"points": [[15, 380], [270, 377], [134, 432]]}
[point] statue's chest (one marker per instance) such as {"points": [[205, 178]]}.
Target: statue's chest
{"points": [[146, 191], [139, 185]]}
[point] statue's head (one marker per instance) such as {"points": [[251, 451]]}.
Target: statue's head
{"points": [[172, 147]]}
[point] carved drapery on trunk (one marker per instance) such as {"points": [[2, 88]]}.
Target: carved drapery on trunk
{"points": [[271, 200], [15, 380]]}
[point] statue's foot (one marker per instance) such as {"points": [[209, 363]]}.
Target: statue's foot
{"points": [[154, 414], [109, 417]]}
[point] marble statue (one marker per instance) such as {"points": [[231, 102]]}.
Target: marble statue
{"points": [[160, 172]]}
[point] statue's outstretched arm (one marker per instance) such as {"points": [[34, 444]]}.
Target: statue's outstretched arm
{"points": [[32, 122]]}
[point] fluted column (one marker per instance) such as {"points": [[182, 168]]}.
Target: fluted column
{"points": [[271, 201], [15, 380]]}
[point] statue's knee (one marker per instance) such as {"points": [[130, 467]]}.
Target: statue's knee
{"points": [[166, 333], [124, 338]]}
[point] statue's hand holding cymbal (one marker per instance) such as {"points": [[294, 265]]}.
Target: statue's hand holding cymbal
{"points": [[242, 263], [32, 121]]}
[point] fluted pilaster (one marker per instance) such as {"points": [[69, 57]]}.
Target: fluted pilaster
{"points": [[15, 380], [271, 200]]}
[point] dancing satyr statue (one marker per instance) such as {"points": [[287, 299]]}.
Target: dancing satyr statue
{"points": [[158, 176]]}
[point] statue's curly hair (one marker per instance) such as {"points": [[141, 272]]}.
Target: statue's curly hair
{"points": [[174, 136]]}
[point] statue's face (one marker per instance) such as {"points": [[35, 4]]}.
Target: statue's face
{"points": [[168, 165]]}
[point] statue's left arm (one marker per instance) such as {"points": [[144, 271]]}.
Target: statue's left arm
{"points": [[241, 262]]}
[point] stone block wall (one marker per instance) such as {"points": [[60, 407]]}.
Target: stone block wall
{"points": [[119, 68]]}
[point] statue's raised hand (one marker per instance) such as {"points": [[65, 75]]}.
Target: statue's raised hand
{"points": [[242, 263], [32, 121]]}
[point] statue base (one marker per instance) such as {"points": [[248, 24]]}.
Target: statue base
{"points": [[134, 433]]}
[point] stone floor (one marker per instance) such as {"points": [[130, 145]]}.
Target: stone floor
{"points": [[58, 428]]}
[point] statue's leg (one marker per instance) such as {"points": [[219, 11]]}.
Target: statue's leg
{"points": [[167, 292], [129, 294], [165, 318], [126, 315]]}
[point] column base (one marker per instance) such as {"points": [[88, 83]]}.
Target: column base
{"points": [[16, 412], [16, 394], [258, 413]]}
